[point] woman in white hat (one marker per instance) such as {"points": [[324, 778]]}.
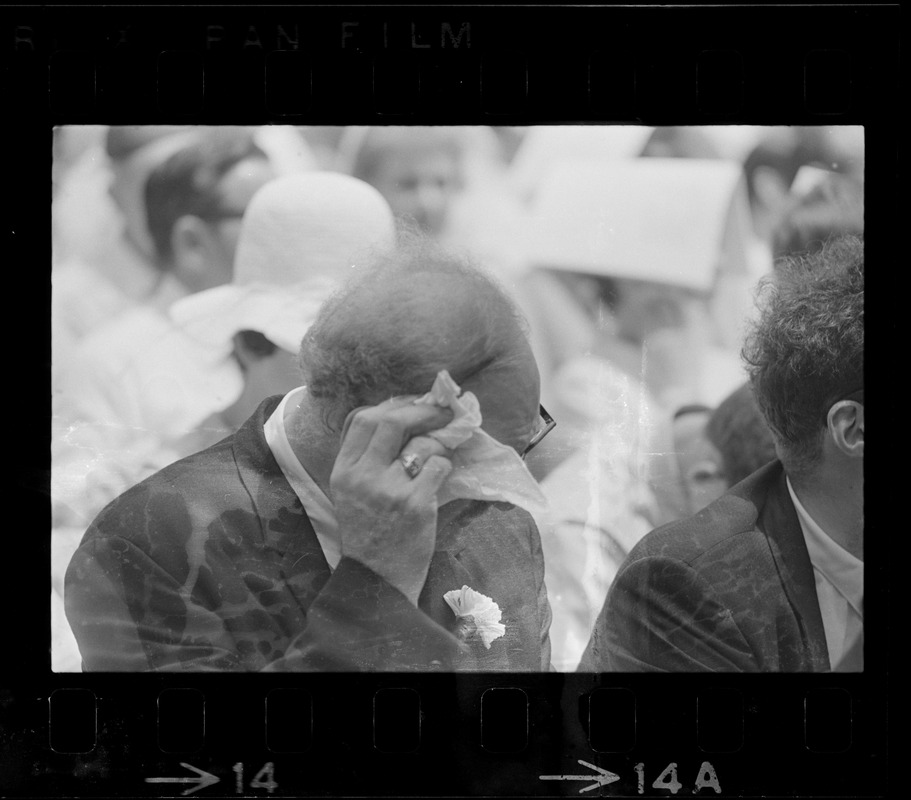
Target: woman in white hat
{"points": [[301, 236], [134, 383]]}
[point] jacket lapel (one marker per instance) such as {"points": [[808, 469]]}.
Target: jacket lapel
{"points": [[288, 538], [444, 575], [789, 550], [447, 572]]}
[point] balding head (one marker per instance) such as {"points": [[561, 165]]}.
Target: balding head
{"points": [[398, 323]]}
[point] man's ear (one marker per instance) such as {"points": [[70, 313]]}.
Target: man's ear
{"points": [[846, 425]]}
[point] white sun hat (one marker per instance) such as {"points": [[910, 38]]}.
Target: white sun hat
{"points": [[300, 236], [666, 220]]}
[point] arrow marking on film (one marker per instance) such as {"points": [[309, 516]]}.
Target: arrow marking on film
{"points": [[600, 780], [205, 779]]}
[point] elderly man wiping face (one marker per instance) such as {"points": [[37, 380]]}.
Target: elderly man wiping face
{"points": [[420, 312], [314, 539], [386, 338]]}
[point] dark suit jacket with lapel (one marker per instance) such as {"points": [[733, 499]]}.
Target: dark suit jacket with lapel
{"points": [[212, 564], [730, 589]]}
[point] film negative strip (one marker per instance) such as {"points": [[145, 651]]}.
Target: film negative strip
{"points": [[377, 734]]}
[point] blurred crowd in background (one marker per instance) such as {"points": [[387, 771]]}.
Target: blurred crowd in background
{"points": [[633, 253]]}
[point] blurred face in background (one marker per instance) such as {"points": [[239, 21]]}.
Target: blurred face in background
{"points": [[643, 307], [420, 185], [204, 247], [134, 151], [698, 461]]}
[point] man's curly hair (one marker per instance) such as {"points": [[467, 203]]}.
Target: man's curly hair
{"points": [[806, 350]]}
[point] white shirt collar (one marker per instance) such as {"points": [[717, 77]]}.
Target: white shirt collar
{"points": [[317, 506], [839, 567]]}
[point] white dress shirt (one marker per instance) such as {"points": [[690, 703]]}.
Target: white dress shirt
{"points": [[839, 585], [318, 507]]}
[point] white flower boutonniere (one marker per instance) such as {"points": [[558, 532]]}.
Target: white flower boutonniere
{"points": [[477, 614]]}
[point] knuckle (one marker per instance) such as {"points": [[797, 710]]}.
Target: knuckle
{"points": [[396, 493], [412, 506], [435, 415], [401, 400], [366, 414], [361, 420], [342, 482], [389, 423], [439, 463], [425, 447]]}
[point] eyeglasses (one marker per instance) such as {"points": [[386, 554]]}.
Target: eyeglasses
{"points": [[220, 214], [548, 424]]}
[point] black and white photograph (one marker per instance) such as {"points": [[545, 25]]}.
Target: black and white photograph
{"points": [[468, 398]]}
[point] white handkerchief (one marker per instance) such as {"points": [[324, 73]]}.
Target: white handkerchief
{"points": [[483, 468]]}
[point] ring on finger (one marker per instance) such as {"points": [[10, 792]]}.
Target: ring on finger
{"points": [[411, 464]]}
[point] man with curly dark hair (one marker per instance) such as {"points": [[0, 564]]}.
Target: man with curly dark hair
{"points": [[769, 577]]}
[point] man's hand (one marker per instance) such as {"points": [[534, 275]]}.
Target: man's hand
{"points": [[388, 519]]}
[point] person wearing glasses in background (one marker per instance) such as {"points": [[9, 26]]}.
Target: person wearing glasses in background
{"points": [[136, 382], [133, 383], [769, 577], [375, 518]]}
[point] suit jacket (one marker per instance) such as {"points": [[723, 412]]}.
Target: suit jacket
{"points": [[212, 564], [730, 589]]}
